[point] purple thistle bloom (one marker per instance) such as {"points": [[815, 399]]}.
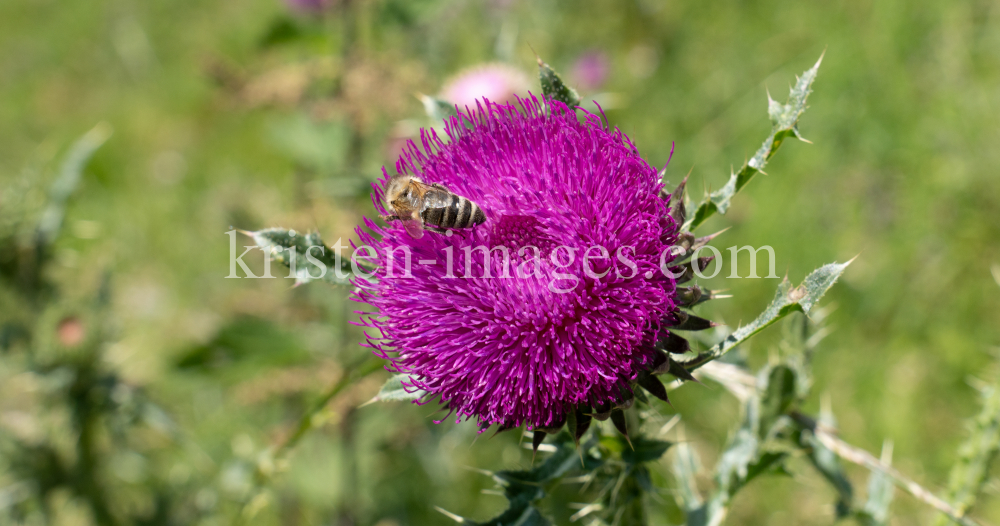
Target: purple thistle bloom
{"points": [[526, 349]]}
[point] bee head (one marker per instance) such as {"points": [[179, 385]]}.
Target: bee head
{"points": [[402, 195], [398, 187]]}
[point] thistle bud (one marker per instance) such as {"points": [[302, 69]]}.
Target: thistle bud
{"points": [[688, 296]]}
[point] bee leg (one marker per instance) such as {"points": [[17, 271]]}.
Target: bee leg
{"points": [[390, 218]]}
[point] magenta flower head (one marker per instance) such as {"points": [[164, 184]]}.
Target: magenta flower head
{"points": [[557, 301]]}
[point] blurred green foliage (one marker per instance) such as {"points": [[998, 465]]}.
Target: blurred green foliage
{"points": [[245, 115]]}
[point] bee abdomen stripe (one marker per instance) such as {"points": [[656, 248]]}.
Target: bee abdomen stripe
{"points": [[451, 212], [478, 217], [465, 213], [433, 216]]}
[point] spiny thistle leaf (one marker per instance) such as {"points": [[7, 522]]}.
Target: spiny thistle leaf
{"points": [[523, 488], [395, 390], [969, 474], [784, 124], [306, 256], [741, 462], [786, 301], [554, 88], [645, 450]]}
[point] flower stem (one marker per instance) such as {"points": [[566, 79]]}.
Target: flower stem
{"points": [[867, 460]]}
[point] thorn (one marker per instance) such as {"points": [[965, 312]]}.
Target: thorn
{"points": [[675, 344], [655, 387], [715, 235], [538, 58], [457, 518], [618, 419], [677, 370], [536, 440], [887, 452], [481, 471]]}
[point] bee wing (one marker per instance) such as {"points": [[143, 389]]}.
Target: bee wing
{"points": [[414, 227]]}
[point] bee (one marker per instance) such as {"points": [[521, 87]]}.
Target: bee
{"points": [[432, 207]]}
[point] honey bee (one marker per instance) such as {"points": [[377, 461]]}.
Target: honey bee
{"points": [[432, 207]]}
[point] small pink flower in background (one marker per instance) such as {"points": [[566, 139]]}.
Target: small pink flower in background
{"points": [[591, 70], [496, 82]]}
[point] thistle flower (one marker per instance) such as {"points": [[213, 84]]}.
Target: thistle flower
{"points": [[560, 334], [494, 81]]}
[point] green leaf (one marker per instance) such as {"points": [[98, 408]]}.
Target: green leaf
{"points": [[645, 450], [827, 462], [880, 493], [554, 88], [779, 395], [685, 467], [784, 124], [742, 461], [786, 301], [437, 109], [970, 472], [68, 179], [393, 391], [732, 470], [243, 347], [307, 256], [523, 488]]}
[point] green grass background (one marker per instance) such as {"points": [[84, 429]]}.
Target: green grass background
{"points": [[902, 172]]}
